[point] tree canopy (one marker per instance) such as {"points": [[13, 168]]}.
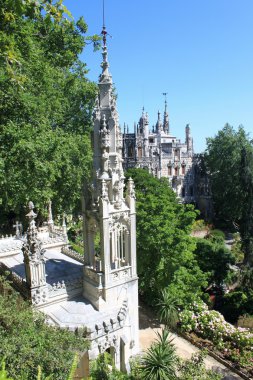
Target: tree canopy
{"points": [[165, 249], [45, 108], [229, 158], [213, 258], [246, 222], [223, 160]]}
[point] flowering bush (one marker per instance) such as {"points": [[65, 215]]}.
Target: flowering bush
{"points": [[235, 343]]}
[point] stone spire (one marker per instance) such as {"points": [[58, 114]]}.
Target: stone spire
{"points": [[159, 126], [34, 261], [166, 125], [189, 140]]}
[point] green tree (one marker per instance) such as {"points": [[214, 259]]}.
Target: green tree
{"points": [[246, 222], [45, 108], [27, 342], [160, 360], [213, 258], [223, 160], [164, 245]]}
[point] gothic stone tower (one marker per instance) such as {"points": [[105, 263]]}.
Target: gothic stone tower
{"points": [[110, 278]]}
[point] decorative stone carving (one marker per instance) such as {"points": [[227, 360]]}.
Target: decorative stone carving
{"points": [[104, 190], [34, 261], [106, 342], [19, 229], [105, 287], [130, 188], [50, 218]]}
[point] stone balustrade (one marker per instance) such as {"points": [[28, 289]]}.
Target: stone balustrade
{"points": [[72, 254], [18, 282], [65, 287]]}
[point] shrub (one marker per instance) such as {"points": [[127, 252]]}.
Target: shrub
{"points": [[28, 342], [211, 324]]}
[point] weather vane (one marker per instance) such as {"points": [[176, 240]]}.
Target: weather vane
{"points": [[104, 31], [165, 95]]}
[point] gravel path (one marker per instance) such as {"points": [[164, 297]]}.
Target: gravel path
{"points": [[148, 328]]}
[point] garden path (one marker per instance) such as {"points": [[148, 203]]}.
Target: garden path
{"points": [[149, 325]]}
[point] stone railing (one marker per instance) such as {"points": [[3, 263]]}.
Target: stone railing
{"points": [[72, 254], [65, 287], [6, 236], [18, 282], [52, 239], [11, 245]]}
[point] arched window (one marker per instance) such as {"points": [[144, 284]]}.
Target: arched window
{"points": [[130, 152], [119, 246]]}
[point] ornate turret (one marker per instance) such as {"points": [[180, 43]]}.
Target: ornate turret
{"points": [[34, 261], [188, 139], [109, 217]]}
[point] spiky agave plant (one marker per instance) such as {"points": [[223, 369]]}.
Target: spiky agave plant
{"points": [[160, 360], [168, 309]]}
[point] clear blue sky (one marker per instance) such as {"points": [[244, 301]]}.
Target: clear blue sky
{"points": [[199, 51]]}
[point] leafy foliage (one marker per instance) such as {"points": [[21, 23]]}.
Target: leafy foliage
{"points": [[213, 258], [27, 342], [223, 160], [195, 369], [246, 222], [103, 369], [234, 343], [45, 109], [164, 245], [168, 309], [239, 302], [3, 373]]}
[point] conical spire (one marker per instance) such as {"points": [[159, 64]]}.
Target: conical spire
{"points": [[159, 123], [166, 125]]}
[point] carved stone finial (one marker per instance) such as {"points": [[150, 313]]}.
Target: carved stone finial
{"points": [[64, 227], [32, 229], [34, 261], [19, 228], [31, 214], [130, 188], [50, 220]]}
